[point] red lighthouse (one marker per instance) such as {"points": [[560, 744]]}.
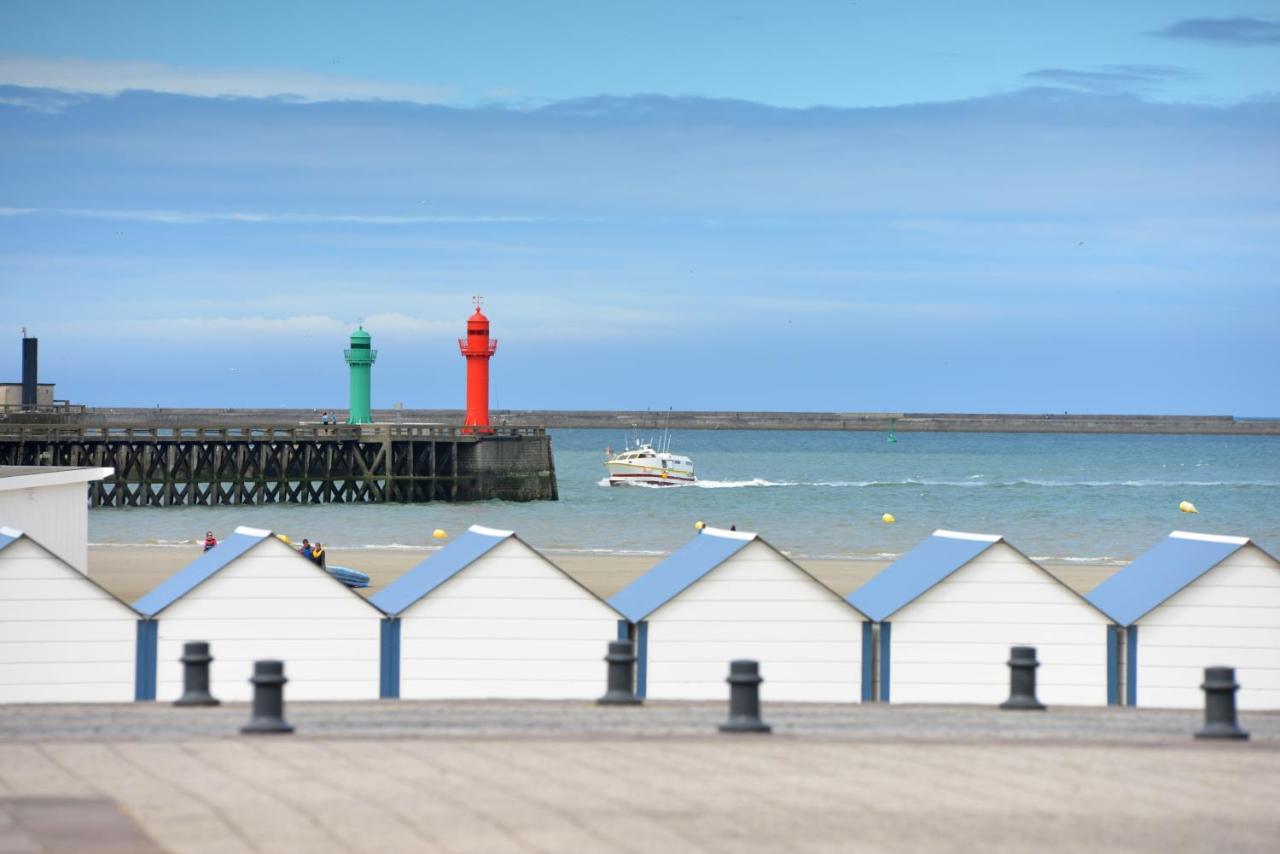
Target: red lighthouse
{"points": [[478, 349]]}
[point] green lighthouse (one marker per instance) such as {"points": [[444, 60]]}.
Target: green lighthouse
{"points": [[361, 360]]}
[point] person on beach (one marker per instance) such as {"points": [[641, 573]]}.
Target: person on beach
{"points": [[209, 540], [305, 550], [317, 554]]}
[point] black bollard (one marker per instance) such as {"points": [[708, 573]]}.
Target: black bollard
{"points": [[1022, 680], [195, 675], [1220, 704], [268, 699], [744, 698], [621, 667]]}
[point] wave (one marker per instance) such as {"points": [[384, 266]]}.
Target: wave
{"points": [[151, 544], [565, 550], [968, 483]]}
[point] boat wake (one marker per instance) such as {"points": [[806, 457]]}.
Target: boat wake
{"points": [[758, 482]]}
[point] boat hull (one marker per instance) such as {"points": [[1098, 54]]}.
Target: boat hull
{"points": [[348, 576], [625, 479]]}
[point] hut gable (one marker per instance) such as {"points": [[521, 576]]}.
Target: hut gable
{"points": [[917, 571], [63, 638], [682, 568], [1195, 601], [727, 595], [1159, 573], [439, 568], [951, 608], [252, 597], [490, 617]]}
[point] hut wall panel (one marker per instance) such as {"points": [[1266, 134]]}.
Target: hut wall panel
{"points": [[751, 610], [67, 589], [56, 517], [90, 631], [55, 649], [50, 610], [328, 637], [510, 625], [1229, 616], [955, 653], [825, 631], [70, 651], [756, 605], [951, 645], [514, 629]]}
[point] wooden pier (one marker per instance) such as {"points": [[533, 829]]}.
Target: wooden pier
{"points": [[165, 465]]}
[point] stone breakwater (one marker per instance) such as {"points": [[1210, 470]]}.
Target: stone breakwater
{"points": [[691, 420]]}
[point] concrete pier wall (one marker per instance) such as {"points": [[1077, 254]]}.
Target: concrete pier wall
{"points": [[649, 421]]}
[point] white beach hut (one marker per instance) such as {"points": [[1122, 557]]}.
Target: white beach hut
{"points": [[949, 610], [51, 504], [63, 639], [729, 595], [1196, 601], [252, 597], [489, 617]]}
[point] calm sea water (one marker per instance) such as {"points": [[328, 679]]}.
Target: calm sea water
{"points": [[1089, 498]]}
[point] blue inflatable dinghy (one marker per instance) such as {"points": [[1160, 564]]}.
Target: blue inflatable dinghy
{"points": [[348, 576]]}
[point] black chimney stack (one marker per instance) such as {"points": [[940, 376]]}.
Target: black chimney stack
{"points": [[28, 371]]}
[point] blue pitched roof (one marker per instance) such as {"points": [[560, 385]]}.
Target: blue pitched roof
{"points": [[437, 569], [682, 568], [1159, 573], [8, 535], [193, 574], [917, 571]]}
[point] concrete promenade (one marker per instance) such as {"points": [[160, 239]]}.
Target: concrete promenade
{"points": [[511, 776]]}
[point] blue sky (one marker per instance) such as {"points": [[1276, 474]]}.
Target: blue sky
{"points": [[823, 206]]}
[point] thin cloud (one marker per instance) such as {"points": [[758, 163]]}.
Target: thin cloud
{"points": [[112, 77], [1240, 31], [171, 217], [1112, 79]]}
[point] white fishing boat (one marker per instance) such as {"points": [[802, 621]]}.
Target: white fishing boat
{"points": [[642, 463]]}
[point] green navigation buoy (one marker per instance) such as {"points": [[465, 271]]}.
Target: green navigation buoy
{"points": [[891, 439], [361, 360]]}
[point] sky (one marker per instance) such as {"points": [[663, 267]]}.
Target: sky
{"points": [[833, 206]]}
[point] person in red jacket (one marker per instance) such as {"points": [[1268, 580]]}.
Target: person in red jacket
{"points": [[209, 540]]}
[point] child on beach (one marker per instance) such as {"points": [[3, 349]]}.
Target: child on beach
{"points": [[209, 540]]}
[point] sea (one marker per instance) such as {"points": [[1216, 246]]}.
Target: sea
{"points": [[1072, 498]]}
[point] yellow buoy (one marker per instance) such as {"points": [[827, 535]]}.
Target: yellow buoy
{"points": [[284, 539], [699, 525], [1187, 507], [439, 534], [888, 519]]}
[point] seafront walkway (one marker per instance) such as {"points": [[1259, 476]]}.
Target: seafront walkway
{"points": [[566, 776]]}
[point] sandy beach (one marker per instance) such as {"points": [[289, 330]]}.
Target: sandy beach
{"points": [[130, 571]]}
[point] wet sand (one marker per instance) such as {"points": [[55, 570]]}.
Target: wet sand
{"points": [[130, 571]]}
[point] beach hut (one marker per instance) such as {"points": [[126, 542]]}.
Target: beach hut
{"points": [[1196, 601], [949, 610], [252, 597], [50, 504], [63, 639], [727, 595], [489, 617]]}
